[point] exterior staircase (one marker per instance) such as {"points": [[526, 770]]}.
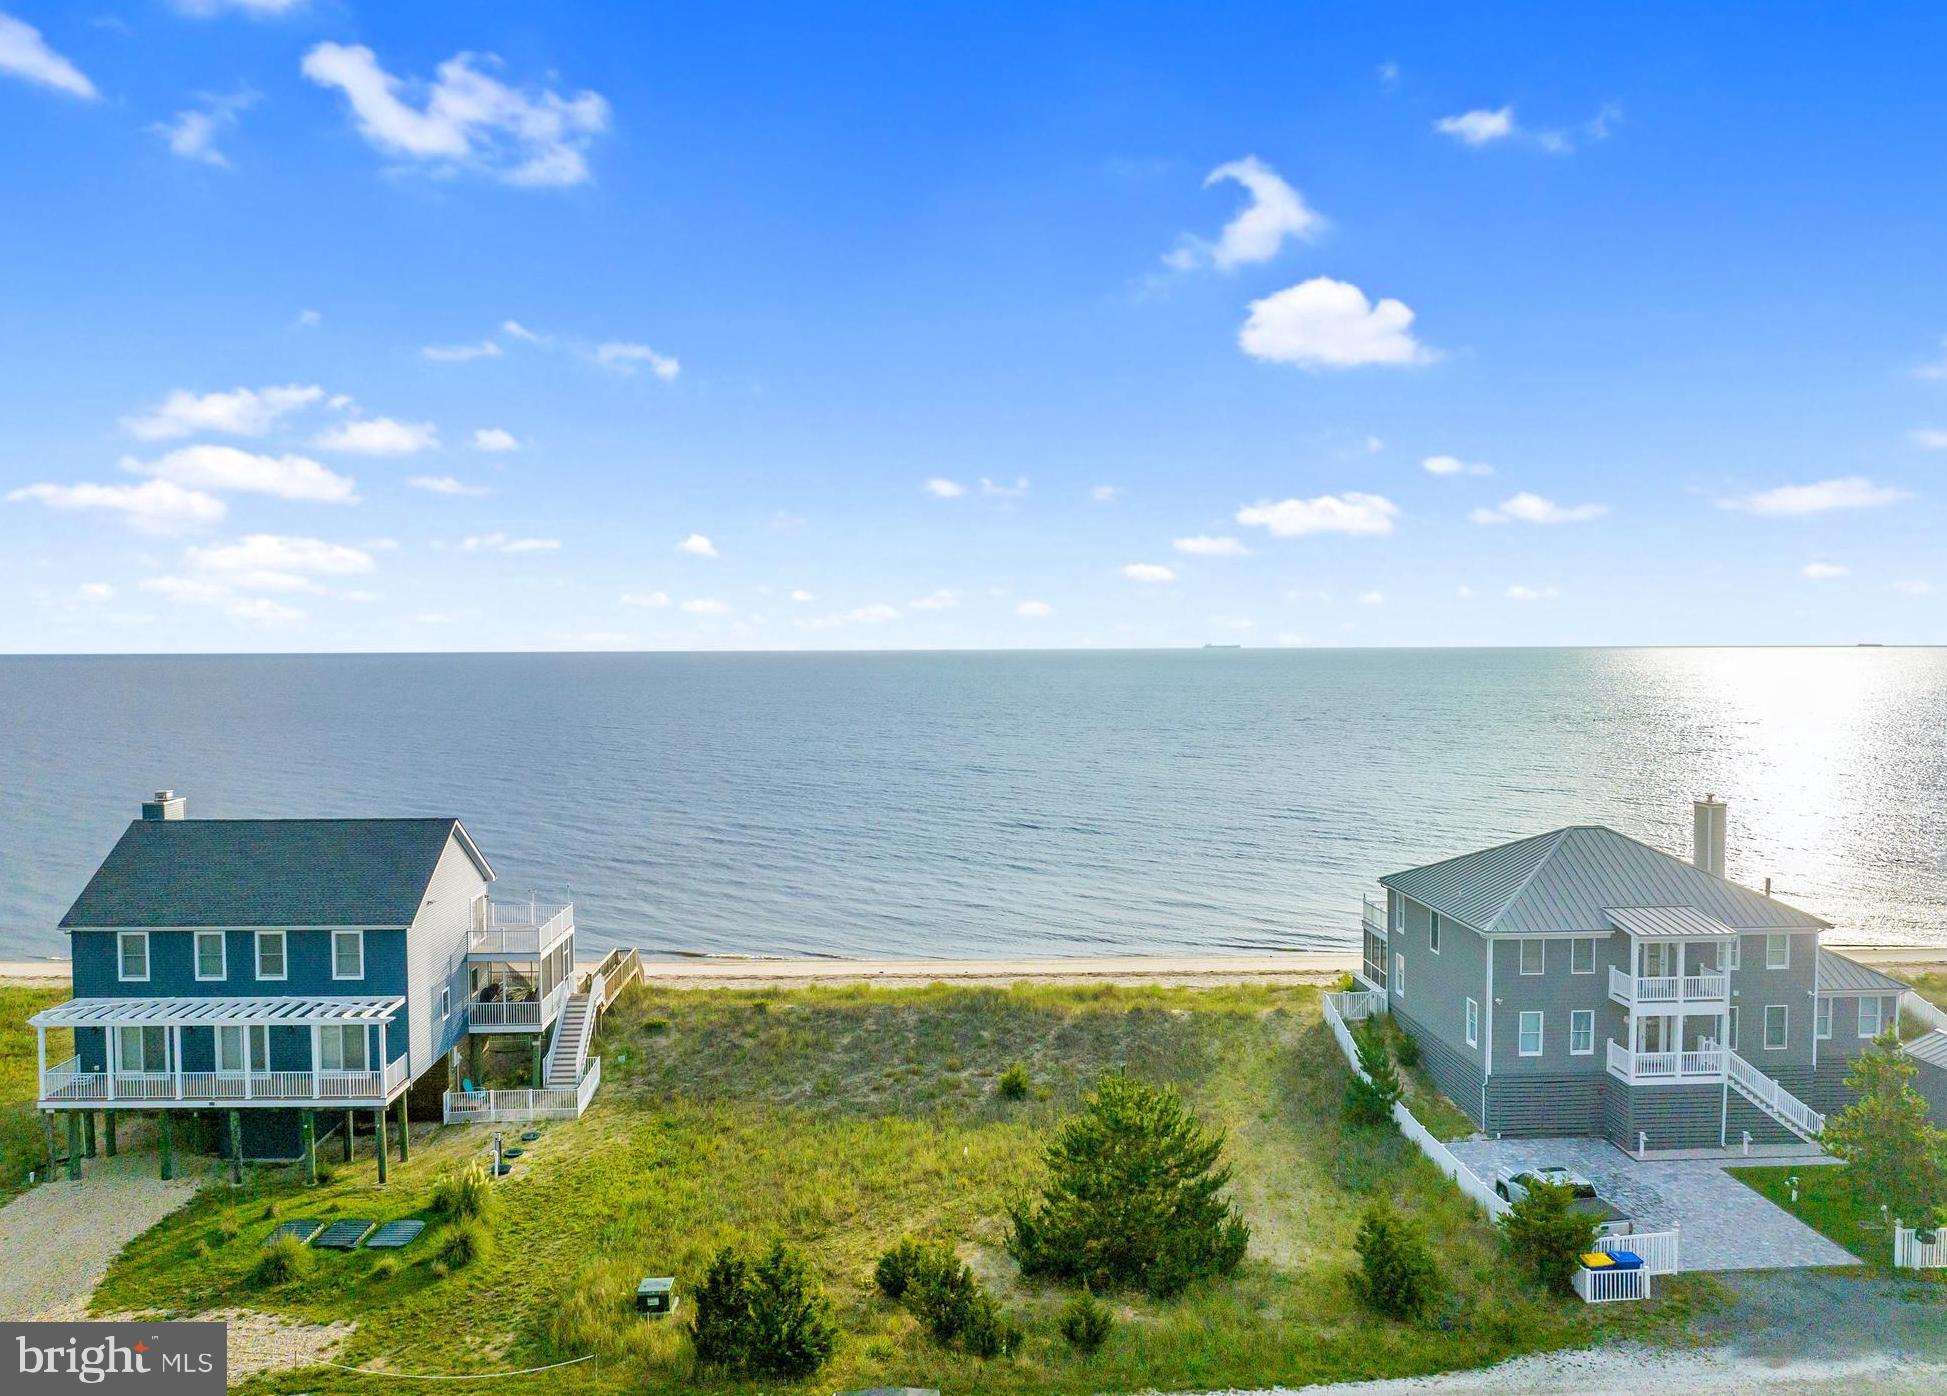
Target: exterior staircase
{"points": [[572, 1034], [1773, 1100]]}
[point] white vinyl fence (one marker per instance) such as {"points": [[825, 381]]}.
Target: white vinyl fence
{"points": [[1609, 1286], [1922, 1012], [1911, 1253], [1657, 1248]]}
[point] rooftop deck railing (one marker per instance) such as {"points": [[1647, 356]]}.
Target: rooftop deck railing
{"points": [[1373, 914], [522, 930]]}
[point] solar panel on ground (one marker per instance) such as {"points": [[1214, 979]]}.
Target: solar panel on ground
{"points": [[395, 1234], [299, 1231], [344, 1235]]}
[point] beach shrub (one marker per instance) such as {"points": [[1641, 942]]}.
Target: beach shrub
{"points": [[1134, 1197], [463, 1244], [467, 1194], [1406, 1047], [283, 1260], [943, 1293], [1085, 1322], [1369, 1099], [1013, 1083], [897, 1267], [1396, 1275], [1894, 1157], [1544, 1233], [384, 1268], [765, 1316]]}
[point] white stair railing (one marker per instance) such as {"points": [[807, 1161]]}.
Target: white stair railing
{"points": [[1772, 1098]]}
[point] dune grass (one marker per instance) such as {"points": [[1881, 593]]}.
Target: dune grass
{"points": [[23, 1146], [839, 1119]]}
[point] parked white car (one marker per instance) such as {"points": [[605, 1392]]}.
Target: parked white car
{"points": [[1511, 1185]]}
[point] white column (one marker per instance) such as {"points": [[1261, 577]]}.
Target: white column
{"points": [[385, 1053], [176, 1057], [40, 1043], [314, 1062], [114, 1046], [243, 1031]]}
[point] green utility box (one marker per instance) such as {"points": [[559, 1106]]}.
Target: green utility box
{"points": [[656, 1296]]}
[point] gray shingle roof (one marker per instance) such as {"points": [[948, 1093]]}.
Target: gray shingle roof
{"points": [[266, 872], [1569, 879], [1839, 975]]}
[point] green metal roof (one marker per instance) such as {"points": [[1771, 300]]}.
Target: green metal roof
{"points": [[267, 872], [1571, 879]]}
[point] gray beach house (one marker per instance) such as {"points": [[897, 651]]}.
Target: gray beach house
{"points": [[1581, 982], [274, 975]]}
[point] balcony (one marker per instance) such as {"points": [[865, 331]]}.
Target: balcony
{"points": [[520, 931], [68, 1083], [1703, 1064], [1667, 991], [515, 1015], [1374, 915]]}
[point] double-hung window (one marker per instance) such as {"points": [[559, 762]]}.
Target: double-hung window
{"points": [[1433, 932], [348, 954], [1399, 974], [1534, 956], [271, 952], [1777, 1022], [1473, 1024], [209, 955], [341, 1047], [1732, 954], [1777, 951], [1869, 1017], [1529, 1044], [142, 1049], [1581, 1032], [445, 1002], [1730, 1029], [132, 956], [1581, 955], [1822, 1023]]}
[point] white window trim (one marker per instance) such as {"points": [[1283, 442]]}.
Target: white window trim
{"points": [[1731, 1027], [1398, 982], [1521, 1032], [1879, 1016], [1734, 953], [334, 955], [1433, 931], [1577, 944], [1777, 938], [1473, 1023], [284, 954], [122, 938], [243, 1047], [1822, 1020], [1522, 957], [1784, 1010], [445, 1002], [1573, 1050], [223, 956]]}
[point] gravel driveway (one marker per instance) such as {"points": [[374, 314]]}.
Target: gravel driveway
{"points": [[57, 1239]]}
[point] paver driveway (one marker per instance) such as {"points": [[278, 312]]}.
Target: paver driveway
{"points": [[1724, 1225]]}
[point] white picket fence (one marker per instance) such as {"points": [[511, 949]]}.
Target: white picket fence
{"points": [[1658, 1249], [1443, 1158], [1911, 1253], [1609, 1286]]}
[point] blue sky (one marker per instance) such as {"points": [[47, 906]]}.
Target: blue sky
{"points": [[447, 326]]}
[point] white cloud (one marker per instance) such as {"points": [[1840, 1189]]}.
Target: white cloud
{"points": [[944, 489], [876, 614], [1479, 127], [1464, 592], [1935, 370], [460, 353], [1932, 438], [194, 132], [227, 468], [1351, 512], [1276, 212], [1105, 494], [1013, 491], [378, 436], [1847, 492], [25, 54], [1205, 545], [465, 119], [1233, 622], [1532, 508], [1034, 610], [707, 606], [277, 556], [154, 506], [495, 439], [1322, 323], [1525, 593], [1388, 74], [1914, 586], [1825, 571], [627, 358], [242, 412], [799, 594], [204, 9], [1372, 598], [1148, 572], [309, 319], [514, 329], [936, 601], [195, 590], [446, 484], [653, 599], [264, 611], [501, 543], [96, 591], [1454, 465], [697, 546]]}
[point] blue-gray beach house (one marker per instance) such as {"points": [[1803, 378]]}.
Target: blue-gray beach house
{"points": [[275, 975]]}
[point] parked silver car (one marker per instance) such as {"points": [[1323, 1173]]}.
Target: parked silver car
{"points": [[1512, 1184]]}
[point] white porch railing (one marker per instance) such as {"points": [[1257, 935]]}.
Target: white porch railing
{"points": [[67, 1082], [1609, 1286], [516, 1015], [1658, 1249], [1703, 1064], [521, 1106], [1911, 1253], [1632, 990], [1774, 1099], [1373, 914], [521, 931]]}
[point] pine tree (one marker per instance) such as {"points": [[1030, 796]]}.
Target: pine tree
{"points": [[1894, 1157]]}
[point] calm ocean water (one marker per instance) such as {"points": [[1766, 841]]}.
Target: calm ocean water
{"points": [[990, 804]]}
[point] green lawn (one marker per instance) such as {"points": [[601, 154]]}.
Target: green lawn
{"points": [[23, 1146], [837, 1119], [1826, 1204]]}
